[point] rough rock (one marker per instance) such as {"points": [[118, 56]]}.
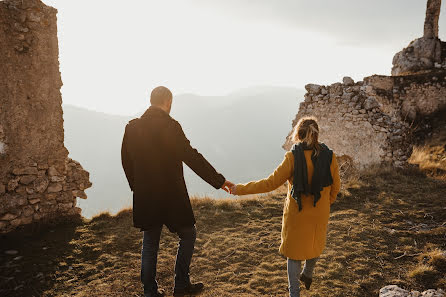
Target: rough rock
{"points": [[8, 217], [313, 88], [13, 184], [421, 54], [422, 101], [370, 103], [32, 151], [395, 291], [348, 81], [80, 194], [27, 179], [28, 210], [432, 16], [379, 82], [25, 171], [52, 171], [55, 188]]}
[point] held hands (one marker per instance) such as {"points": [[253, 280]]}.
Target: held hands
{"points": [[234, 190], [229, 187]]}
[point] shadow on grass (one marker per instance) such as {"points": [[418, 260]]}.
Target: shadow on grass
{"points": [[55, 260], [41, 255]]}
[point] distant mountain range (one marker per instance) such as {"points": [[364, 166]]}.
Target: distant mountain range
{"points": [[241, 134]]}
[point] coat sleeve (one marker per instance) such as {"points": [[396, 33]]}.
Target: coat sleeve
{"points": [[282, 173], [336, 186], [125, 159], [195, 161]]}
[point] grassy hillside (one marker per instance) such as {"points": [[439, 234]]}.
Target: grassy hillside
{"points": [[387, 227]]}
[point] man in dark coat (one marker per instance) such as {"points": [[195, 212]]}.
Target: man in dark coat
{"points": [[153, 151]]}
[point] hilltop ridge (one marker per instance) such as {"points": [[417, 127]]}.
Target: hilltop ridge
{"points": [[387, 227]]}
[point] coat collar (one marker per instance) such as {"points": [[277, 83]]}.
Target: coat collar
{"points": [[154, 111]]}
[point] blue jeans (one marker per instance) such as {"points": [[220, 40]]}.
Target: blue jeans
{"points": [[294, 267], [149, 257]]}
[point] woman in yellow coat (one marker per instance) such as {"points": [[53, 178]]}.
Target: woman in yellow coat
{"points": [[313, 179]]}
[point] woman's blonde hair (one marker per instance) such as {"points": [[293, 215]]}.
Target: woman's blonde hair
{"points": [[307, 131]]}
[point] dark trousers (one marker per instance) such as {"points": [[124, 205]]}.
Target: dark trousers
{"points": [[149, 257]]}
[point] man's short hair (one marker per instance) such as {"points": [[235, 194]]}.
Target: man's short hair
{"points": [[160, 95]]}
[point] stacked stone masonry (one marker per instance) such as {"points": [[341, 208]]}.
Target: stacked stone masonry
{"points": [[37, 179], [371, 121]]}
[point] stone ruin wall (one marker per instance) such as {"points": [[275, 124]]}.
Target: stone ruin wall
{"points": [[371, 121], [37, 179]]}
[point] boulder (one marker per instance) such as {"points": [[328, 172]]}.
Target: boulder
{"points": [[421, 54], [348, 81], [313, 88], [395, 291]]}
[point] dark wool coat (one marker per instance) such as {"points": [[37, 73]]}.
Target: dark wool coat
{"points": [[153, 151]]}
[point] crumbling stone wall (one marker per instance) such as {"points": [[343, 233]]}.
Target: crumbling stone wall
{"points": [[37, 179], [424, 94], [371, 120]]}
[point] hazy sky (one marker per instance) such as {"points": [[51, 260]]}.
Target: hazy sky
{"points": [[112, 53]]}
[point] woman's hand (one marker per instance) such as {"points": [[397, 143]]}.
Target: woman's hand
{"points": [[227, 186], [234, 190]]}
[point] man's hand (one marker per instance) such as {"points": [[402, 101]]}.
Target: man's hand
{"points": [[227, 186]]}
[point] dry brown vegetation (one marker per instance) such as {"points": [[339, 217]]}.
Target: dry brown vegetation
{"points": [[430, 153], [387, 227]]}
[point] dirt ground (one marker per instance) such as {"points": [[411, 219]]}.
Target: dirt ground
{"points": [[387, 227]]}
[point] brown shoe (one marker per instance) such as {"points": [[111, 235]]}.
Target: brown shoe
{"points": [[306, 280], [191, 289]]}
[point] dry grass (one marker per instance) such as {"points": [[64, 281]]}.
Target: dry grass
{"points": [[389, 227], [429, 156], [430, 153]]}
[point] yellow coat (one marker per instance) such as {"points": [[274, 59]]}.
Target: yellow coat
{"points": [[303, 232]]}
